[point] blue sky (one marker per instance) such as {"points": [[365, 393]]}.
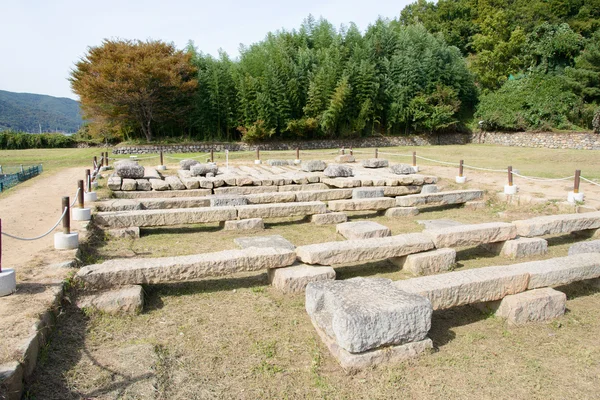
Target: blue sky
{"points": [[42, 39]]}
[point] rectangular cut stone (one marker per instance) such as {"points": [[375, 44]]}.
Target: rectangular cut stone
{"points": [[127, 300], [128, 185], [183, 268], [224, 201], [536, 305], [243, 190], [324, 195], [428, 262], [375, 163], [114, 182], [520, 247], [329, 218], [175, 202], [344, 158], [398, 212], [159, 185], [585, 247], [273, 197], [309, 187], [117, 205], [165, 194], [381, 203], [367, 193], [144, 184], [467, 287], [471, 235], [295, 278], [393, 191], [362, 230], [557, 224], [341, 182], [281, 210], [244, 224], [331, 253], [277, 241], [562, 270], [124, 219], [190, 183], [363, 314], [174, 183], [440, 198]]}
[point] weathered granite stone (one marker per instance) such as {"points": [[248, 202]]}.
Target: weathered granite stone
{"points": [[281, 210], [362, 230], [174, 183], [277, 163], [467, 287], [295, 278], [272, 197], [11, 381], [475, 205], [329, 218], [210, 174], [175, 202], [244, 224], [151, 173], [562, 270], [364, 314], [382, 203], [190, 183], [304, 187], [375, 163], [331, 253], [367, 193], [129, 169], [225, 201], [133, 232], [538, 305], [114, 182], [402, 169], [556, 224], [471, 235], [313, 165], [127, 300], [520, 247], [203, 169], [164, 194], [125, 219], [187, 164], [323, 195], [128, 184], [438, 223], [117, 205], [120, 272], [585, 247], [143, 185], [341, 182], [399, 212], [440, 198], [428, 262], [205, 183], [338, 171], [276, 241], [345, 158], [428, 189], [394, 191], [244, 181], [159, 185]]}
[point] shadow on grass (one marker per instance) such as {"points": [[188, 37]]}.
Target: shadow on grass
{"points": [[180, 229], [578, 289], [443, 322], [367, 269]]}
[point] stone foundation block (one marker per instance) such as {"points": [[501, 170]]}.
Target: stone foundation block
{"points": [[519, 248], [295, 278], [223, 201], [375, 204], [537, 305], [132, 232], [144, 185], [585, 247], [393, 191], [128, 300], [329, 218], [556, 224], [475, 205], [367, 193], [114, 182], [427, 263], [399, 212], [375, 163], [128, 185], [471, 235], [281, 210], [428, 189], [159, 185], [273, 241], [345, 158], [244, 224], [362, 230]]}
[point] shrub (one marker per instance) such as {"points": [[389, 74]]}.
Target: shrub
{"points": [[10, 140]]}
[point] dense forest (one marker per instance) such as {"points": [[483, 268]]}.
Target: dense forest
{"points": [[28, 112], [447, 66]]}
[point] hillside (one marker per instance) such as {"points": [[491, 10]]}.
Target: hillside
{"points": [[26, 112]]}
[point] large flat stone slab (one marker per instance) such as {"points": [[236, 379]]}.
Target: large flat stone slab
{"points": [[166, 194], [433, 224], [271, 197], [124, 219], [438, 199], [244, 224], [294, 279], [281, 210], [557, 224], [175, 202], [341, 182], [562, 270], [362, 230], [270, 241], [376, 204], [329, 218], [348, 251], [592, 246], [363, 314], [471, 235], [367, 192], [117, 205], [120, 272], [127, 300], [538, 305], [243, 190], [323, 195], [393, 191], [401, 212], [428, 262]]}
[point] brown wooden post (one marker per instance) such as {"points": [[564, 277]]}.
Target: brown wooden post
{"points": [[106, 159], [161, 158], [88, 181], [415, 159], [212, 155], [95, 162], [343, 151], [67, 218], [577, 181], [351, 151], [376, 153], [510, 176], [460, 168], [257, 153], [80, 193], [297, 153]]}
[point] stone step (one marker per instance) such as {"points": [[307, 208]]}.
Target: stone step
{"points": [[471, 235], [281, 210], [138, 271], [180, 216], [324, 195], [374, 204], [165, 194], [362, 230], [331, 253], [294, 279], [440, 198], [557, 224]]}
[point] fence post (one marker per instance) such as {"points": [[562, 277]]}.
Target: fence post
{"points": [[376, 153], [510, 188], [461, 178], [297, 153], [212, 155], [414, 159], [577, 181], [343, 151], [67, 218], [510, 176], [88, 181], [576, 196], [257, 161], [80, 193], [161, 158], [95, 164], [351, 151], [22, 168]]}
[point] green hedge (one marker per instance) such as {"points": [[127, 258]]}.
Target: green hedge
{"points": [[17, 141]]}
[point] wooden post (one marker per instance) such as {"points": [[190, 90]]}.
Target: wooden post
{"points": [[67, 218], [95, 162], [376, 153], [80, 193], [297, 153], [351, 151], [343, 151], [415, 159], [577, 181], [460, 168], [212, 155], [161, 158], [257, 153], [106, 159], [88, 181], [510, 176]]}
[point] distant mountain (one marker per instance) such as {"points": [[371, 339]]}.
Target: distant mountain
{"points": [[25, 112]]}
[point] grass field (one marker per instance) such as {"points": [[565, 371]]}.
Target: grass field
{"points": [[238, 338]]}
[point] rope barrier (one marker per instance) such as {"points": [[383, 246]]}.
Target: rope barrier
{"points": [[75, 200], [42, 235], [536, 179], [590, 181]]}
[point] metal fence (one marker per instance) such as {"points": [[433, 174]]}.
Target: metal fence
{"points": [[12, 176]]}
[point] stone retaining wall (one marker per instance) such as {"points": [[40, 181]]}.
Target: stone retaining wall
{"points": [[583, 141]]}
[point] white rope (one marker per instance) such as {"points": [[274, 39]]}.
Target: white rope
{"points": [[590, 181], [40, 236], [395, 154], [484, 169], [536, 179], [75, 200]]}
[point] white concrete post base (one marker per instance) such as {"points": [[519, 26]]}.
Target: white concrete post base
{"points": [[256, 162], [66, 242], [575, 197], [81, 214], [8, 282], [415, 168], [510, 189], [90, 196], [161, 167], [461, 179], [297, 162]]}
